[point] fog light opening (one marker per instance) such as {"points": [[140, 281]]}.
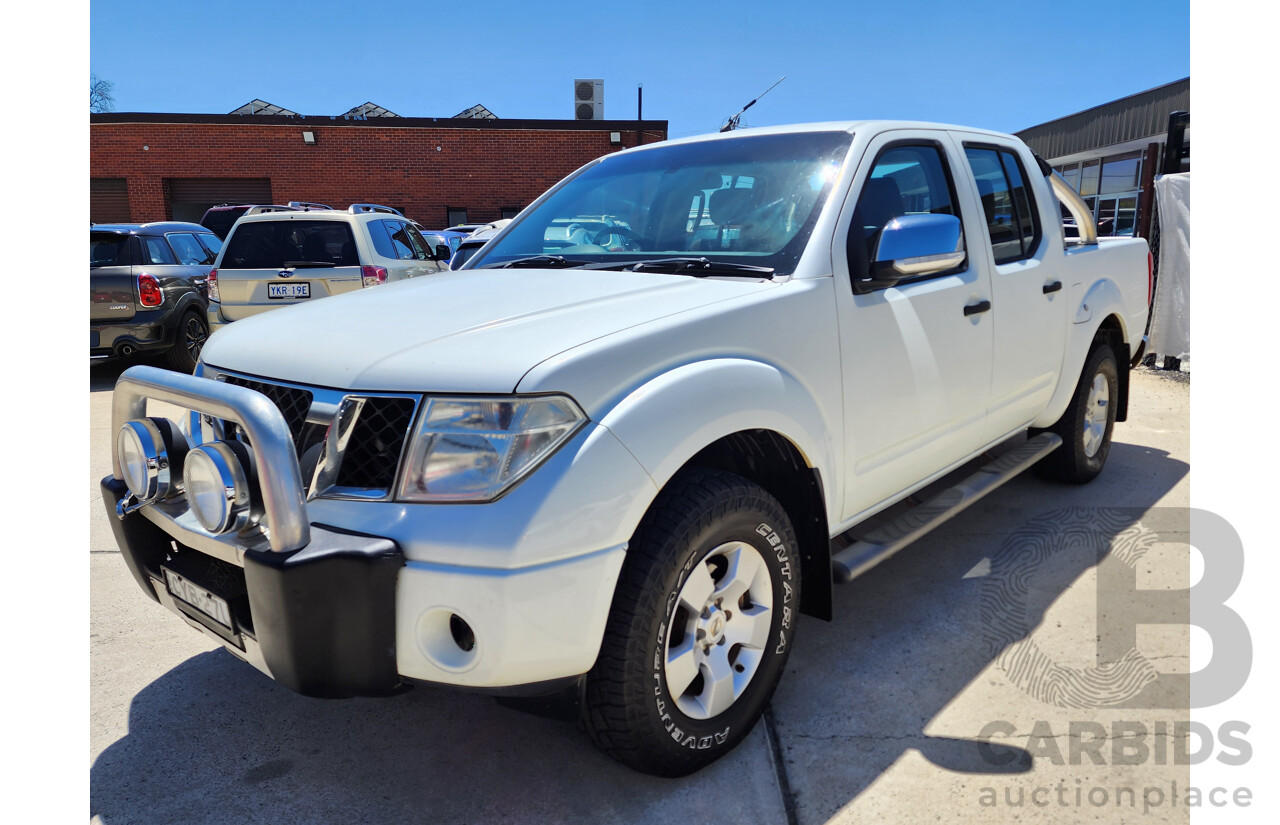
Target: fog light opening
{"points": [[447, 640], [463, 636]]}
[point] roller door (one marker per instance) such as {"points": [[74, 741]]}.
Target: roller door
{"points": [[190, 197], [108, 200]]}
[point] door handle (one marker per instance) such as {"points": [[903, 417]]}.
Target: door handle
{"points": [[1051, 288], [975, 309]]}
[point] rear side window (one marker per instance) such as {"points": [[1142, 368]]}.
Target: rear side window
{"points": [[276, 244], [108, 249], [157, 252], [188, 249], [1006, 202]]}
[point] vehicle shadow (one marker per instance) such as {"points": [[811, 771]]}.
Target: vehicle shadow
{"points": [[911, 635], [214, 741]]}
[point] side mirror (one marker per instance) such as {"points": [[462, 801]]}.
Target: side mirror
{"points": [[915, 245], [443, 252]]}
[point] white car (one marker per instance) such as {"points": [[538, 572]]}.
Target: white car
{"points": [[281, 258], [613, 465]]}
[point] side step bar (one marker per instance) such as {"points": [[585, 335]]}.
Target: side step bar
{"points": [[884, 541]]}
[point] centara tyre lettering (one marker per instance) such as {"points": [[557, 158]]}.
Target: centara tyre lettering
{"points": [[708, 592]]}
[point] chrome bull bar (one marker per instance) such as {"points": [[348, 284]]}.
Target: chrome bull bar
{"points": [[279, 476]]}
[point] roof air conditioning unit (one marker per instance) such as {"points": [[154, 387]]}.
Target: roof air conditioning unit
{"points": [[588, 99]]}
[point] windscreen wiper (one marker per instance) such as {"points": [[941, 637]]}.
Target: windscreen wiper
{"points": [[697, 267], [308, 264], [543, 261]]}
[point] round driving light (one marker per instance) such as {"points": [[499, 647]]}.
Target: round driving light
{"points": [[217, 487], [150, 451]]}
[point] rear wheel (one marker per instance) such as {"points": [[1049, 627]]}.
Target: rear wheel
{"points": [[1086, 425], [193, 331], [702, 622]]}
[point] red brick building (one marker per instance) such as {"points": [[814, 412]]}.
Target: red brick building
{"points": [[438, 171]]}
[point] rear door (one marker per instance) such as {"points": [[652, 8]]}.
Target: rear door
{"points": [[286, 260], [112, 291], [400, 249], [1027, 291]]}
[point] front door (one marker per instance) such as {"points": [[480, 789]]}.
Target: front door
{"points": [[916, 362]]}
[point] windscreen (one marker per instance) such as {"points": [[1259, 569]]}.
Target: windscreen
{"points": [[108, 249], [279, 244], [745, 200]]}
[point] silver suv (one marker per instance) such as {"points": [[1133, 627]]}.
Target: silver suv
{"points": [[280, 258]]}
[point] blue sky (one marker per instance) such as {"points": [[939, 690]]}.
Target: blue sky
{"points": [[1002, 66]]}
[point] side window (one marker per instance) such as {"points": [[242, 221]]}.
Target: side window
{"points": [[188, 249], [1006, 203], [400, 239], [158, 252], [381, 237], [905, 180], [420, 249], [1028, 221], [212, 243]]}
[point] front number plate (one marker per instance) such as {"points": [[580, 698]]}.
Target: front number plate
{"points": [[300, 289], [199, 598]]}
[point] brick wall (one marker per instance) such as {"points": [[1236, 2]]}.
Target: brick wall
{"points": [[421, 169]]}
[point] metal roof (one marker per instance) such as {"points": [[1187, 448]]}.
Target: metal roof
{"points": [[262, 107], [369, 109], [1141, 115], [478, 112]]}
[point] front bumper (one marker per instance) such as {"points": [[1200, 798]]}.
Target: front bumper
{"points": [[320, 620], [371, 605]]}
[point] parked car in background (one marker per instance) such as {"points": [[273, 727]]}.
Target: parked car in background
{"points": [[147, 290], [279, 258], [451, 238], [220, 219], [471, 244]]}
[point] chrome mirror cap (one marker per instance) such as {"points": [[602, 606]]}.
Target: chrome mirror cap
{"points": [[921, 245]]}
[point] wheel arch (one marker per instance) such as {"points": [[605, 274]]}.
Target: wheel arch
{"points": [[750, 418]]}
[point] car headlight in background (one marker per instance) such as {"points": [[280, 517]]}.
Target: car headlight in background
{"points": [[474, 449]]}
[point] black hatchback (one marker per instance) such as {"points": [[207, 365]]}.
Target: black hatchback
{"points": [[147, 290]]}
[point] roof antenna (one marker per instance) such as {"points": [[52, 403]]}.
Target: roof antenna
{"points": [[733, 121]]}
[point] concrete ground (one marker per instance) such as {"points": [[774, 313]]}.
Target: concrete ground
{"points": [[986, 630]]}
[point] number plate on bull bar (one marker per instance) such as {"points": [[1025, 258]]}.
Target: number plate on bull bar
{"points": [[210, 605]]}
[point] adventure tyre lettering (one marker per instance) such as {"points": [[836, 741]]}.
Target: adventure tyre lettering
{"points": [[675, 687]]}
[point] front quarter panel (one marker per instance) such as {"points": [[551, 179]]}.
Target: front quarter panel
{"points": [[712, 399]]}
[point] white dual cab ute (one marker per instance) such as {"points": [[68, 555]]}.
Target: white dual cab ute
{"points": [[610, 464]]}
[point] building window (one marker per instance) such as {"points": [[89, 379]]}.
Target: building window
{"points": [[1111, 187], [510, 212], [455, 215]]}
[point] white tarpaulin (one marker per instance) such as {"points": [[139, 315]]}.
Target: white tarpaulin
{"points": [[1171, 310]]}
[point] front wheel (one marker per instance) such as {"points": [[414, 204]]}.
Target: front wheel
{"points": [[1086, 425], [702, 622]]}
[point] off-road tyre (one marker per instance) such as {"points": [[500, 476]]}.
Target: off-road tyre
{"points": [[628, 709], [1082, 456]]}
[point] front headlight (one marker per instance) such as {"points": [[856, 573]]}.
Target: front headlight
{"points": [[474, 449]]}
